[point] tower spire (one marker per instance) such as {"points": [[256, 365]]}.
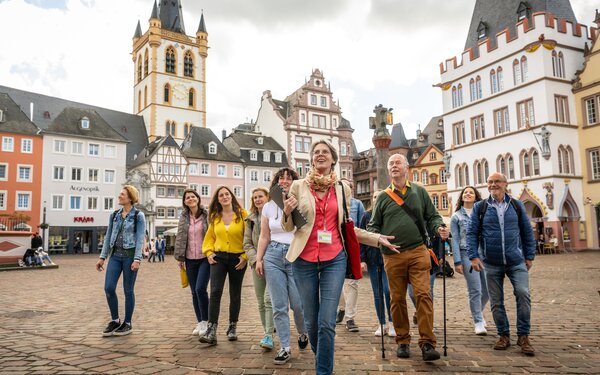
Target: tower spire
{"points": [[138, 30], [171, 16], [202, 25], [154, 11]]}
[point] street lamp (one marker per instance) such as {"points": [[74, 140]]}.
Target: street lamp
{"points": [[43, 226]]}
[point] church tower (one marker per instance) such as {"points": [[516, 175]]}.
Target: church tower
{"points": [[170, 73]]}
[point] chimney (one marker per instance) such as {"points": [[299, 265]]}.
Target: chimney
{"points": [[31, 111], [223, 135]]}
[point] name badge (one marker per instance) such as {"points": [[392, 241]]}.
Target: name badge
{"points": [[324, 236]]}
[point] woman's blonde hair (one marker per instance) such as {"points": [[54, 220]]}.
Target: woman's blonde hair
{"points": [[132, 193], [253, 208]]}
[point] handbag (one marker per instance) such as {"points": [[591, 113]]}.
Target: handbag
{"points": [[398, 199], [184, 279], [351, 245]]}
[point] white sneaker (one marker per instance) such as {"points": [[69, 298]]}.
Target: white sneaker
{"points": [[197, 329], [480, 329], [391, 331], [378, 331], [203, 327]]}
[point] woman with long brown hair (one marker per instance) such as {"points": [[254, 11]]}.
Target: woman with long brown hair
{"points": [[223, 246]]}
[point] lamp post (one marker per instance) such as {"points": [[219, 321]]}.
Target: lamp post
{"points": [[43, 227]]}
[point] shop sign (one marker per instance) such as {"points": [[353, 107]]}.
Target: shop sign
{"points": [[83, 219]]}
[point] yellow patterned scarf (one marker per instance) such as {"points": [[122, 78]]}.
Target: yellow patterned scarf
{"points": [[320, 182]]}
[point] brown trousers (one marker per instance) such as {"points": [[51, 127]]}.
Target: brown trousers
{"points": [[413, 265]]}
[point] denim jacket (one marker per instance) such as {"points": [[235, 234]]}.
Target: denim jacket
{"points": [[130, 238], [459, 223]]}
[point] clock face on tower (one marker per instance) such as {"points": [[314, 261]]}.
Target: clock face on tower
{"points": [[179, 91]]}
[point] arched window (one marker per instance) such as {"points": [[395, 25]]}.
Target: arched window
{"points": [[170, 128], [501, 164], [192, 98], [500, 75], [561, 65], [459, 95], [511, 167], [145, 96], [478, 87], [517, 72], [466, 174], [139, 69], [555, 64], [187, 129], [146, 63], [188, 64], [525, 164], [170, 60], [524, 69], [167, 93], [535, 159], [486, 170], [558, 64], [415, 176], [425, 178], [477, 172], [454, 98], [472, 90], [493, 81], [458, 176]]}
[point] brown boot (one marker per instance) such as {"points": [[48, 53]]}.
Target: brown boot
{"points": [[503, 343], [526, 348]]}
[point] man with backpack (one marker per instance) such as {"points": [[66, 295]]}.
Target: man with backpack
{"points": [[160, 248], [501, 229]]}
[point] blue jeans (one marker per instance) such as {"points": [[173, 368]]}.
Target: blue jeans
{"points": [[161, 255], [372, 268], [282, 288], [320, 285], [477, 286], [198, 274], [116, 265], [519, 278], [411, 292]]}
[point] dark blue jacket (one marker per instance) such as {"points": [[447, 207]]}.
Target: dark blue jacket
{"points": [[507, 244], [369, 254]]}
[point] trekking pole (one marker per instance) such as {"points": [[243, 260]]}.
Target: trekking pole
{"points": [[442, 242], [381, 306]]}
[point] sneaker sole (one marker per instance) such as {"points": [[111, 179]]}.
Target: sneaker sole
{"points": [[121, 333], [281, 362], [107, 334], [501, 348], [484, 333], [267, 347], [207, 342]]}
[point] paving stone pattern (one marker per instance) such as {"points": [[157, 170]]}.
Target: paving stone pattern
{"points": [[51, 323]]}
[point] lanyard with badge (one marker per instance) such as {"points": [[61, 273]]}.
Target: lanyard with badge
{"points": [[324, 235]]}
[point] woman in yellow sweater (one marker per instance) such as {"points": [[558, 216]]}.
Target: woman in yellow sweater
{"points": [[223, 246]]}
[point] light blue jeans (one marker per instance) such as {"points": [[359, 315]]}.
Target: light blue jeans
{"points": [[477, 287], [116, 265], [320, 285], [519, 278], [372, 268], [282, 288]]}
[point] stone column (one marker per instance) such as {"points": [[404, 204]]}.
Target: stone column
{"points": [[381, 140]]}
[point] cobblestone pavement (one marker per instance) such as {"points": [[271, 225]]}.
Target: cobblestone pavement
{"points": [[51, 320]]}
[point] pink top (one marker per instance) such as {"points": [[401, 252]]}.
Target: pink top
{"points": [[195, 238], [326, 218]]}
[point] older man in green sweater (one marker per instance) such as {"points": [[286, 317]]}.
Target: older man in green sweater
{"points": [[412, 261]]}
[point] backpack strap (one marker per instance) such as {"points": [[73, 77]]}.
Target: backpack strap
{"points": [[484, 205]]}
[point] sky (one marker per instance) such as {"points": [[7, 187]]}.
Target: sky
{"points": [[370, 51]]}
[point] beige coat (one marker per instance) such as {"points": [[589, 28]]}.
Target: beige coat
{"points": [[306, 205]]}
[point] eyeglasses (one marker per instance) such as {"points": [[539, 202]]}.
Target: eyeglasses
{"points": [[497, 182]]}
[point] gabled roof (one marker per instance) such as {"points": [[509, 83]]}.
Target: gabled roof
{"points": [[429, 134], [146, 154], [196, 146], [46, 108], [425, 151], [171, 16], [499, 15], [398, 136], [250, 141], [13, 119], [68, 122]]}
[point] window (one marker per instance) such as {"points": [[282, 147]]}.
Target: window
{"points": [[344, 173], [212, 148], [75, 202], [481, 30], [523, 11], [23, 201], [481, 171], [58, 202], [24, 173], [237, 191], [26, 146], [277, 157], [110, 151], [478, 87], [204, 169], [266, 156], [591, 110], [530, 163], [92, 203], [59, 146], [475, 88], [444, 202], [425, 178], [109, 176], [76, 174], [193, 169], [205, 190], [313, 99], [2, 199], [493, 81], [520, 70], [594, 158], [170, 128], [253, 155], [188, 64], [76, 148], [434, 200], [267, 176], [160, 212], [299, 168], [167, 93], [525, 113], [459, 95], [171, 192], [146, 63], [472, 90], [303, 118], [171, 212], [458, 133], [319, 121], [3, 172], [93, 149], [443, 176], [561, 109], [254, 176], [109, 203], [501, 121], [343, 149], [170, 60], [323, 101], [454, 97], [8, 144], [139, 69], [237, 171], [558, 64], [192, 98], [565, 160], [303, 144], [221, 170], [461, 175], [85, 123], [187, 129], [58, 173], [334, 123], [92, 175], [500, 78], [415, 176], [194, 187], [477, 128], [432, 156], [511, 167]]}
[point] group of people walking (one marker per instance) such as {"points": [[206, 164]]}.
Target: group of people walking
{"points": [[303, 265]]}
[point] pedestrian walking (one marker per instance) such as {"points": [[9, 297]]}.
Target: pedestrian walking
{"points": [[192, 227], [260, 196], [160, 248], [123, 242], [476, 283], [316, 252], [500, 226], [271, 263], [224, 248], [152, 250]]}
